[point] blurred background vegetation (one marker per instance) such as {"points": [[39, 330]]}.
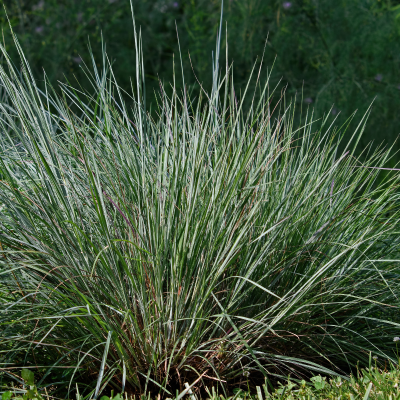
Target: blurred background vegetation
{"points": [[336, 55]]}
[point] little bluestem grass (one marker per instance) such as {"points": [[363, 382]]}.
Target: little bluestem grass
{"points": [[146, 253]]}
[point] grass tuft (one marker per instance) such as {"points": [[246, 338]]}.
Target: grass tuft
{"points": [[196, 247]]}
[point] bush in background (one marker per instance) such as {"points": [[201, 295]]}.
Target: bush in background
{"points": [[343, 52]]}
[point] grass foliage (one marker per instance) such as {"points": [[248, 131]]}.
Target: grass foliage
{"points": [[194, 247]]}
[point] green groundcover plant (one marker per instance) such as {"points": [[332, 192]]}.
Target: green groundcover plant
{"points": [[206, 243], [367, 384]]}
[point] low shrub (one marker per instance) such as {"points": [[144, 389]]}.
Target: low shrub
{"points": [[145, 253]]}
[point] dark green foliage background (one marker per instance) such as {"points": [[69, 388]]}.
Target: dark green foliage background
{"points": [[343, 53]]}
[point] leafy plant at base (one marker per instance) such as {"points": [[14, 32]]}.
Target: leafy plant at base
{"points": [[368, 384], [30, 393], [147, 253]]}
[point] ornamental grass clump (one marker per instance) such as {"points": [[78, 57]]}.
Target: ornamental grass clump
{"points": [[148, 252]]}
